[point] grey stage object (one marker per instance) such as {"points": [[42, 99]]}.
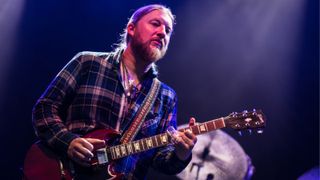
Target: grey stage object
{"points": [[217, 156]]}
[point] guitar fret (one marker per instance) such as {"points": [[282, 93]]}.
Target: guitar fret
{"points": [[145, 142], [129, 148], [220, 123], [206, 127], [211, 125], [154, 139], [112, 153], [198, 129], [215, 124], [142, 145], [158, 140], [123, 150], [142, 142], [117, 150], [163, 139], [149, 143], [145, 145], [202, 128], [195, 130], [136, 146]]}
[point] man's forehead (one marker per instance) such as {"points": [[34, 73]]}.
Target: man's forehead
{"points": [[160, 15]]}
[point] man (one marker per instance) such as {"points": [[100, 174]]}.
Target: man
{"points": [[105, 90]]}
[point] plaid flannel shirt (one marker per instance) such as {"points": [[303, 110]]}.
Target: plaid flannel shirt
{"points": [[86, 95]]}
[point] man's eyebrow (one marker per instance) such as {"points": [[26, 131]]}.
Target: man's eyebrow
{"points": [[162, 21]]}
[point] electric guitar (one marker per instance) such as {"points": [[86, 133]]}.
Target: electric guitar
{"points": [[41, 162]]}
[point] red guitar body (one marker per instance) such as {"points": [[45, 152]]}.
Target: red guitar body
{"points": [[42, 162]]}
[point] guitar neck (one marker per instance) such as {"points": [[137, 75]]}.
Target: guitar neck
{"points": [[206, 126], [163, 139]]}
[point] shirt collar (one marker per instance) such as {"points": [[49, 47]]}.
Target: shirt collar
{"points": [[151, 73]]}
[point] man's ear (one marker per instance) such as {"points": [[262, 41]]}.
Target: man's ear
{"points": [[130, 29]]}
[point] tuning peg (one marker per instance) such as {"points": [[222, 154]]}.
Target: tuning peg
{"points": [[254, 112], [244, 113], [233, 114], [240, 133], [237, 126], [260, 131]]}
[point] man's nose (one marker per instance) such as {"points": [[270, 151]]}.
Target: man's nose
{"points": [[161, 31]]}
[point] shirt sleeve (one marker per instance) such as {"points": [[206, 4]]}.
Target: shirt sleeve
{"points": [[166, 160], [50, 109]]}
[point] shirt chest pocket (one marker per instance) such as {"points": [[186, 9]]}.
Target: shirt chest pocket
{"points": [[149, 127]]}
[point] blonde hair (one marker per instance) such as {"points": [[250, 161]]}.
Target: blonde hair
{"points": [[136, 16]]}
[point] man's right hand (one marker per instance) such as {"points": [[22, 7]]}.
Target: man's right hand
{"points": [[80, 149]]}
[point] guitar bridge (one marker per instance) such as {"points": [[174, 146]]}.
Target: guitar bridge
{"points": [[102, 156]]}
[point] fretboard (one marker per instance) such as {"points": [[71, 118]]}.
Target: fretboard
{"points": [[159, 140]]}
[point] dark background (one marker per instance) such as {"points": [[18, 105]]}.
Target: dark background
{"points": [[225, 56]]}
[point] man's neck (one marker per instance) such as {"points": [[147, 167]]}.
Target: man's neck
{"points": [[135, 65]]}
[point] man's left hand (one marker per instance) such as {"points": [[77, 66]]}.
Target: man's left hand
{"points": [[184, 142]]}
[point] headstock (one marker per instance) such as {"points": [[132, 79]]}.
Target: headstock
{"points": [[254, 119]]}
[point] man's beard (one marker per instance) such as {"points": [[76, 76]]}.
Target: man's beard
{"points": [[145, 52]]}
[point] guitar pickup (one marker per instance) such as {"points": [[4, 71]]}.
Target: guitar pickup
{"points": [[102, 156]]}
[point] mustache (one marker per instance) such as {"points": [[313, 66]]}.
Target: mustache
{"points": [[159, 40]]}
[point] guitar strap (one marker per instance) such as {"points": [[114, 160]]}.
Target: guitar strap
{"points": [[142, 112]]}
